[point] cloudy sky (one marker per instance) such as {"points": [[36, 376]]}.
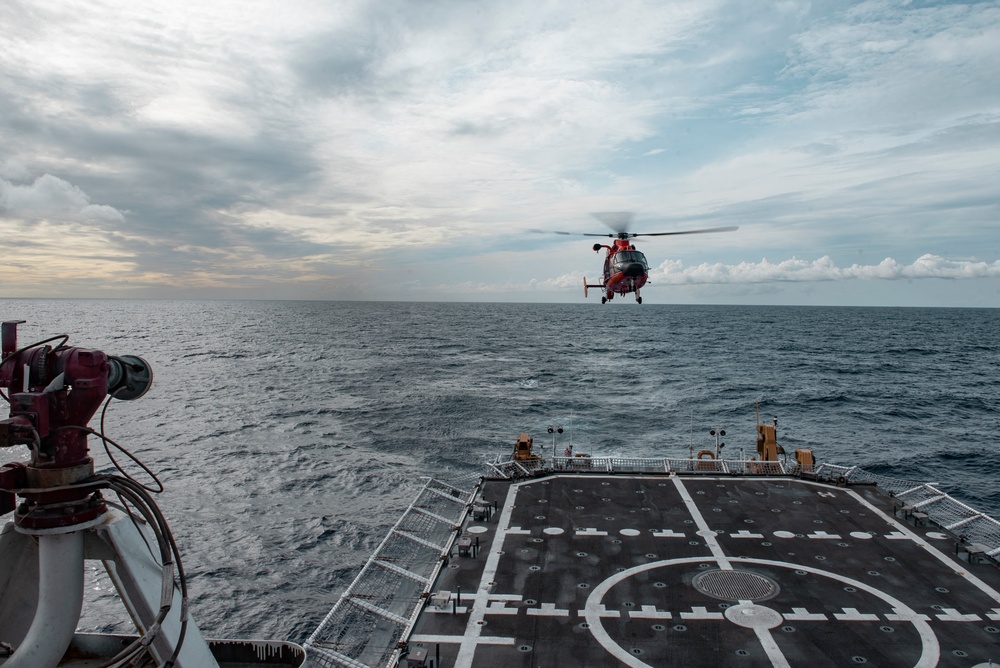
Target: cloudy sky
{"points": [[327, 149]]}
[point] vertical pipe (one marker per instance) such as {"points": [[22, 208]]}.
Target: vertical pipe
{"points": [[60, 600]]}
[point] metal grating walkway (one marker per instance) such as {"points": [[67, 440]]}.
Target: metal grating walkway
{"points": [[370, 617]]}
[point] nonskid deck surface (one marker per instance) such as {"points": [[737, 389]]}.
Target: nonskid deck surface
{"points": [[580, 570]]}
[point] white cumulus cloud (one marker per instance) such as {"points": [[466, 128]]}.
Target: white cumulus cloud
{"points": [[50, 197], [673, 272]]}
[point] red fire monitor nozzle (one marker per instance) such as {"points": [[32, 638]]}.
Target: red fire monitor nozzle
{"points": [[53, 394]]}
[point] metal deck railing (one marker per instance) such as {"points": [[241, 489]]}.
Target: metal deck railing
{"points": [[946, 512], [381, 604], [505, 467]]}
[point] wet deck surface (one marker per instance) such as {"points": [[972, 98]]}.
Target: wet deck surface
{"points": [[702, 571]]}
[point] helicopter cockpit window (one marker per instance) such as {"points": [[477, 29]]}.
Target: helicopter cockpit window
{"points": [[628, 257]]}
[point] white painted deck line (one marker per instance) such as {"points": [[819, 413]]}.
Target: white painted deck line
{"points": [[906, 616], [803, 615], [703, 530], [771, 648], [953, 615], [474, 630], [649, 612], [548, 610], [669, 533], [699, 612], [455, 640], [744, 533], [500, 608], [506, 597], [852, 615], [822, 535]]}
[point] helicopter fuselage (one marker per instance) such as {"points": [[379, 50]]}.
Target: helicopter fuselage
{"points": [[625, 270]]}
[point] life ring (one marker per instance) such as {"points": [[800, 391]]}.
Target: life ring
{"points": [[706, 454]]}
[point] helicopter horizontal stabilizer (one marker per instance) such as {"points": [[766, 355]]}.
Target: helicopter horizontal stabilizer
{"points": [[590, 285]]}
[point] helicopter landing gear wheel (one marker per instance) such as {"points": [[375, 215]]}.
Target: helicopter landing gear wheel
{"points": [[604, 300], [638, 300]]}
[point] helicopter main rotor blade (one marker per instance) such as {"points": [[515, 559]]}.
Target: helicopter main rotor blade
{"points": [[631, 235], [728, 228], [616, 220], [574, 234]]}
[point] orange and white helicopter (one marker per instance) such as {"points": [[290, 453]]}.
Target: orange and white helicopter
{"points": [[625, 268]]}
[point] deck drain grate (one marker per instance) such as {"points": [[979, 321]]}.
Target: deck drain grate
{"points": [[735, 585]]}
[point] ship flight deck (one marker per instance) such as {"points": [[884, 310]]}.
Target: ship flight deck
{"points": [[651, 570]]}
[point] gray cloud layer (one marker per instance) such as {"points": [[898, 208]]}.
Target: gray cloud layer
{"points": [[355, 148]]}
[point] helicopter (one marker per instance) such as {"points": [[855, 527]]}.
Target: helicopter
{"points": [[625, 268]]}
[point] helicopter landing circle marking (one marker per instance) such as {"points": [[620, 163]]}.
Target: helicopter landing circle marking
{"points": [[930, 647]]}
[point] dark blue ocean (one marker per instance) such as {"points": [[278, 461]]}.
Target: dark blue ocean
{"points": [[291, 435]]}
